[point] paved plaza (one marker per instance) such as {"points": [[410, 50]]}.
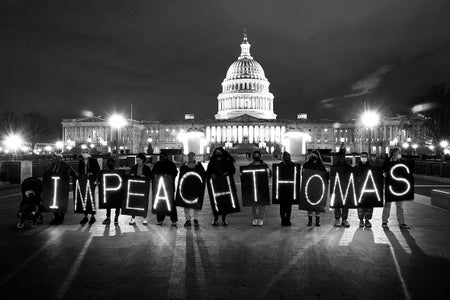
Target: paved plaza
{"points": [[235, 262]]}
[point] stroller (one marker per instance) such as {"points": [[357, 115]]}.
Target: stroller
{"points": [[30, 206]]}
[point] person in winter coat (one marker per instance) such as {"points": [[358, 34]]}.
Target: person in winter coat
{"points": [[166, 167], [140, 169], [89, 167], [60, 167], [192, 165], [285, 204], [220, 164], [364, 214], [314, 162], [341, 212], [395, 156], [110, 164]]}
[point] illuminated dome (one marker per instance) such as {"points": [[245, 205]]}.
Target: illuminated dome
{"points": [[245, 89]]}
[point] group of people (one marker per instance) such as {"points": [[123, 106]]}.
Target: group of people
{"points": [[222, 164]]}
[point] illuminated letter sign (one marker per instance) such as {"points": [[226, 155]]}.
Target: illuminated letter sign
{"points": [[222, 194], [286, 183], [255, 185], [55, 192], [136, 201], [86, 203], [111, 189], [341, 178], [313, 194], [162, 195], [399, 183], [191, 189]]}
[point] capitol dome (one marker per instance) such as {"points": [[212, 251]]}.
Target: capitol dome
{"points": [[245, 89]]}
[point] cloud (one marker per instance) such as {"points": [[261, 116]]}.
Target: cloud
{"points": [[363, 86]]}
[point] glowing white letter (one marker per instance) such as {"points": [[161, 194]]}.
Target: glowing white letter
{"points": [[55, 191], [229, 192], [365, 190], [133, 194], [254, 180], [112, 189], [337, 182], [187, 174], [165, 195], [84, 199], [408, 185], [278, 182], [306, 189]]}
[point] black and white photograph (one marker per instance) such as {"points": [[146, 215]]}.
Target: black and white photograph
{"points": [[207, 149]]}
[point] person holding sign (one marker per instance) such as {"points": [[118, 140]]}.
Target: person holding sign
{"points": [[395, 156], [364, 214], [88, 167], [111, 163], [60, 167], [341, 212], [192, 165], [140, 169], [286, 204], [258, 210], [166, 167], [220, 164], [314, 162]]}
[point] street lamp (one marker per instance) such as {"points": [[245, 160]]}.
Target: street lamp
{"points": [[370, 119], [443, 144], [117, 121]]}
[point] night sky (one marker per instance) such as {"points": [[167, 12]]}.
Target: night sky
{"points": [[168, 58]]}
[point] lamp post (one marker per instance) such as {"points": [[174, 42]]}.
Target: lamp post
{"points": [[370, 119], [117, 122]]}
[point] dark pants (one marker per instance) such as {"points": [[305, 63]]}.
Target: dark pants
{"points": [[365, 213], [285, 211], [59, 216], [173, 216], [216, 216], [341, 212], [108, 212]]}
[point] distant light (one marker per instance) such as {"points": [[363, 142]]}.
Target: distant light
{"points": [[431, 147], [83, 146], [149, 140], [48, 148], [59, 144], [13, 142], [370, 118], [415, 146], [443, 144], [405, 145], [423, 107], [92, 145], [117, 121], [89, 140]]}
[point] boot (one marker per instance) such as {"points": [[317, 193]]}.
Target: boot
{"points": [[309, 221], [317, 221]]}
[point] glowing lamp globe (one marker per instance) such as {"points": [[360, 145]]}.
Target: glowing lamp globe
{"points": [[117, 121], [443, 144], [13, 142], [370, 119]]}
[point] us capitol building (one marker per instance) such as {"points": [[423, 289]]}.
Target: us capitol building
{"points": [[245, 121]]}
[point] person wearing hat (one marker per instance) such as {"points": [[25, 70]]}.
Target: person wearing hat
{"points": [[341, 212], [140, 169], [60, 167]]}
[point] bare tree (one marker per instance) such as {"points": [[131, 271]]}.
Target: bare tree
{"points": [[34, 127]]}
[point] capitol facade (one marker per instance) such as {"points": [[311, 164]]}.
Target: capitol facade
{"points": [[245, 121]]}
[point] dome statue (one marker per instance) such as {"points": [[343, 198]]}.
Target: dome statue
{"points": [[245, 89]]}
